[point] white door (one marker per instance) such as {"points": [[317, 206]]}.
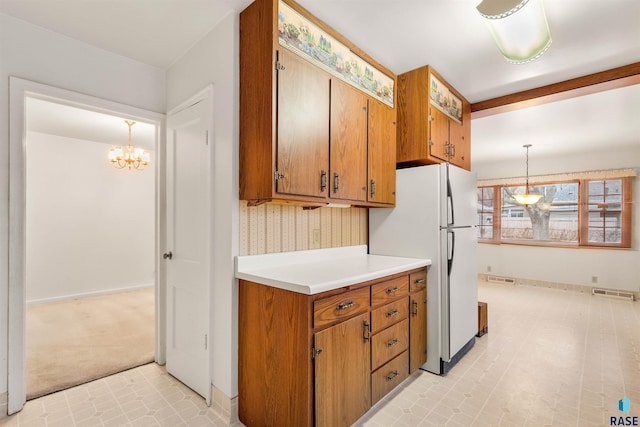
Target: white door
{"points": [[187, 259]]}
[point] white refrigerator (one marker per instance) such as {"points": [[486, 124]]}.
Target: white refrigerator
{"points": [[435, 217]]}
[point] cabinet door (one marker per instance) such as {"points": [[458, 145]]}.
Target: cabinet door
{"points": [[460, 138], [417, 330], [343, 372], [382, 153], [302, 154], [348, 159], [438, 133]]}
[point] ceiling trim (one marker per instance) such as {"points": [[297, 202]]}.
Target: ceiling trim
{"points": [[626, 75]]}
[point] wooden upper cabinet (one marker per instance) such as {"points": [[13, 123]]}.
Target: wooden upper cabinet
{"points": [[348, 177], [460, 136], [302, 159], [431, 131], [438, 131], [304, 126], [382, 153]]}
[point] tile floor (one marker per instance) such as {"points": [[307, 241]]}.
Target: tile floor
{"points": [[551, 358]]}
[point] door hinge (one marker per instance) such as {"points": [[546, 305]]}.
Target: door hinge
{"points": [[279, 66], [277, 175], [206, 343], [315, 352]]}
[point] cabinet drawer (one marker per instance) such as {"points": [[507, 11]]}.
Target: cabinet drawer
{"points": [[417, 281], [390, 290], [389, 314], [389, 343], [328, 310], [389, 376]]}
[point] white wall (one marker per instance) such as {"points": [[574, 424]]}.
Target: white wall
{"points": [[89, 226], [215, 60], [615, 268], [32, 53]]}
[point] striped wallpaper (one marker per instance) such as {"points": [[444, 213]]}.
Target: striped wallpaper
{"points": [[272, 228]]}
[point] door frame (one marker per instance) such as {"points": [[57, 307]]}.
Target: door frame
{"points": [[19, 90]]}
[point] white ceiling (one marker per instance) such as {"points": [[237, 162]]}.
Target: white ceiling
{"points": [[588, 36], [71, 122]]}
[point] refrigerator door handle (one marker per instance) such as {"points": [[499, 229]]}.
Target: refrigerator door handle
{"points": [[450, 213], [453, 251]]}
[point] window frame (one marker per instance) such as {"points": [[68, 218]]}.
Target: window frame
{"points": [[583, 216], [626, 211]]}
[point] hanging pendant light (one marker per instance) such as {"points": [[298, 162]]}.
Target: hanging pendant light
{"points": [[130, 157], [527, 198], [519, 28]]}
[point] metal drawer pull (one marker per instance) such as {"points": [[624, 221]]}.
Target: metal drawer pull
{"points": [[366, 331], [345, 305], [392, 375], [392, 290], [392, 342], [419, 281], [392, 313]]}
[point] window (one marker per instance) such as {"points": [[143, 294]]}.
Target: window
{"points": [[553, 219], [607, 215], [485, 213], [577, 213]]}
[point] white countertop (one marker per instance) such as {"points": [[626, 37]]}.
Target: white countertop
{"points": [[319, 270]]}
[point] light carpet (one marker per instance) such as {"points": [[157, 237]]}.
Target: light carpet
{"points": [[73, 342]]}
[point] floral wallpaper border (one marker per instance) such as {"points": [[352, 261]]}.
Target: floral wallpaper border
{"points": [[305, 39]]}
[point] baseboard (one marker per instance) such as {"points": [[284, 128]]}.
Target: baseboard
{"points": [[554, 285], [4, 408], [224, 406], [89, 294]]}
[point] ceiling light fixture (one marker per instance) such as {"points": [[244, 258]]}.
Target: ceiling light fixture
{"points": [[527, 198], [519, 28], [131, 157]]}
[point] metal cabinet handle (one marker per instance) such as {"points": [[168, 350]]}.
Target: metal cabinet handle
{"points": [[392, 290], [336, 182], [345, 305], [392, 375], [167, 255], [392, 313], [414, 308], [392, 342], [323, 181], [419, 281], [366, 331], [373, 187]]}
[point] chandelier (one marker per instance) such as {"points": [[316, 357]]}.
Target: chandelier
{"points": [[129, 157], [527, 198]]}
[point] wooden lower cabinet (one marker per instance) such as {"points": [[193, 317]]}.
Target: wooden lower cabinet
{"points": [[323, 360], [417, 320], [342, 372], [389, 376]]}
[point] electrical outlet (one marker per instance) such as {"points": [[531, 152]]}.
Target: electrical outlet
{"points": [[594, 279], [488, 269], [316, 238]]}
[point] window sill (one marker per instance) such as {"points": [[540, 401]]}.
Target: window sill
{"points": [[551, 244]]}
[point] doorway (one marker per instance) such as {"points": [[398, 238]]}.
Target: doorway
{"points": [[89, 260], [21, 93]]}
